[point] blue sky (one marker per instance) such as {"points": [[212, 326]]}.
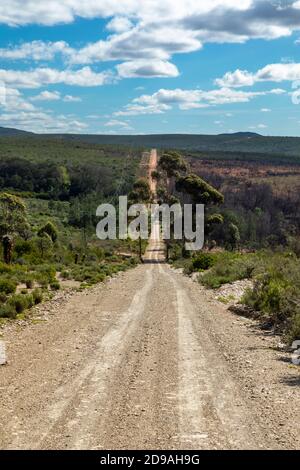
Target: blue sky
{"points": [[131, 67]]}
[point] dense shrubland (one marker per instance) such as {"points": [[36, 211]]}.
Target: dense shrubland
{"points": [[275, 296], [252, 232], [48, 204]]}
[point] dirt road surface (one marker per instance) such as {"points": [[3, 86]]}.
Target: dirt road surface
{"points": [[147, 360], [153, 161]]}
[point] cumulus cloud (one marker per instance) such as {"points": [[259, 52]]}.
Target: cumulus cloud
{"points": [[55, 96], [36, 50], [47, 96], [157, 42], [18, 12], [39, 77], [151, 30], [123, 125], [147, 69], [14, 101], [16, 111], [270, 73], [40, 121], [72, 99], [164, 100], [258, 127], [119, 24]]}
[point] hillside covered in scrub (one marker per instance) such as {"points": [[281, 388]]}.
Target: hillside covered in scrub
{"points": [[238, 144]]}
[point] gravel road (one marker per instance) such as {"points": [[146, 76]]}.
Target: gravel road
{"points": [[147, 360]]}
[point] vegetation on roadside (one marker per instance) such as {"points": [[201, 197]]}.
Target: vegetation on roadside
{"points": [[49, 193], [275, 296], [236, 219]]}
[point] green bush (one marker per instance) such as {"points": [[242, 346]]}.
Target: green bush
{"points": [[203, 262], [50, 230], [18, 302], [8, 311], [30, 301], [229, 269], [276, 294], [43, 281], [66, 274], [22, 248], [55, 285], [5, 268], [293, 329], [7, 286], [37, 296], [29, 283]]}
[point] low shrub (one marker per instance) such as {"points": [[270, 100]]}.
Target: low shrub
{"points": [[19, 302], [229, 269], [30, 301], [65, 275], [7, 286], [29, 282], [37, 295], [55, 285], [203, 261], [276, 294], [8, 311]]}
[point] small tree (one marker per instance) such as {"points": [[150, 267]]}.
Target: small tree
{"points": [[141, 193], [13, 221], [50, 230], [44, 244], [173, 165], [199, 191]]}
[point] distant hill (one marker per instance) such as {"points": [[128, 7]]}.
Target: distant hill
{"points": [[6, 131], [241, 134], [240, 142]]}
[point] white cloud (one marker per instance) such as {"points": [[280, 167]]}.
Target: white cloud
{"points": [[18, 12], [47, 96], [163, 100], [41, 122], [115, 122], [14, 101], [119, 24], [72, 99], [239, 78], [35, 50], [270, 73], [124, 125], [258, 127], [155, 42], [17, 112], [136, 109], [265, 110], [146, 35], [39, 77], [146, 69], [55, 96]]}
